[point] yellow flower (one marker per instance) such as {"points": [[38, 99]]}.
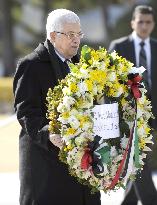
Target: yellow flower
{"points": [[89, 85], [95, 55], [147, 130], [98, 76], [142, 143], [73, 87], [83, 120], [68, 147], [116, 90], [65, 115], [123, 102], [70, 131], [84, 66], [90, 61]]}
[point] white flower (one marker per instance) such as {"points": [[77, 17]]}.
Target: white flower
{"points": [[86, 126], [111, 76], [74, 122], [113, 170], [87, 136], [113, 151], [95, 90], [124, 142], [105, 169], [141, 131], [147, 149], [114, 55], [149, 139], [68, 101], [86, 174], [66, 91], [119, 91], [82, 87], [102, 65], [80, 140], [88, 101], [118, 158], [141, 160], [73, 111], [139, 70], [139, 113], [63, 120], [60, 107], [84, 73]]}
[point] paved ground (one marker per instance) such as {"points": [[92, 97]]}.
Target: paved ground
{"points": [[9, 191], [9, 131], [9, 180]]}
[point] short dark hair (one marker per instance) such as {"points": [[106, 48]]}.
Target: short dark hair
{"points": [[143, 9]]}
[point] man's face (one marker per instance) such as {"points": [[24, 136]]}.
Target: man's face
{"points": [[143, 25], [67, 40]]}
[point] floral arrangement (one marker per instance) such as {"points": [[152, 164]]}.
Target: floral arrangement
{"points": [[101, 77]]}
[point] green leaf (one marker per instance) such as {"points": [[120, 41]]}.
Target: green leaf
{"points": [[86, 53]]}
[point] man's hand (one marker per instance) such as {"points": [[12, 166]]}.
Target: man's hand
{"points": [[56, 140]]}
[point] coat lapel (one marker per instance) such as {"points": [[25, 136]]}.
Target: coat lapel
{"points": [[153, 65], [131, 50], [46, 52], [56, 63], [153, 57]]}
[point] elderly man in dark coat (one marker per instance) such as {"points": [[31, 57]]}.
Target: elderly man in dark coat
{"points": [[44, 179]]}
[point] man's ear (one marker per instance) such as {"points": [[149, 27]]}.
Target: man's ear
{"points": [[53, 36], [132, 24]]}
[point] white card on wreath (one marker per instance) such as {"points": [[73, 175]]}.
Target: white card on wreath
{"points": [[106, 121]]}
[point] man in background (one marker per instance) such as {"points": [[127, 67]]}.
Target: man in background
{"points": [[141, 49]]}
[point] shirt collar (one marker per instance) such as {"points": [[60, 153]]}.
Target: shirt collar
{"points": [[61, 57], [138, 40]]}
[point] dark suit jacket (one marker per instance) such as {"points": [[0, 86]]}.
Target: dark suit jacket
{"points": [[125, 47], [44, 179]]}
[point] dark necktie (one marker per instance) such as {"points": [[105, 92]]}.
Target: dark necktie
{"points": [[142, 56], [143, 62], [66, 65]]}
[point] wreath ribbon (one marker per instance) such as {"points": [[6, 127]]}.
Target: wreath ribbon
{"points": [[95, 157], [118, 173], [86, 159], [134, 83]]}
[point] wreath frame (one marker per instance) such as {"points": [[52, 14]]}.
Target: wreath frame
{"points": [[98, 74]]}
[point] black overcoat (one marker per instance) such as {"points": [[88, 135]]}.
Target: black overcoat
{"points": [[44, 179]]}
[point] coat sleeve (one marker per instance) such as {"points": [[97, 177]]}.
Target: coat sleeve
{"points": [[28, 103], [112, 47]]}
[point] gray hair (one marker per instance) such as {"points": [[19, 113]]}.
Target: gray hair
{"points": [[57, 18]]}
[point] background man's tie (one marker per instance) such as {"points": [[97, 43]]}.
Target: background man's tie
{"points": [[143, 62], [142, 56]]}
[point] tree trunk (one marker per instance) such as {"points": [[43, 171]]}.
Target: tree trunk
{"points": [[7, 38]]}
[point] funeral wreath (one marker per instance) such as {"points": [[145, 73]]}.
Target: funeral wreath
{"points": [[102, 112]]}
